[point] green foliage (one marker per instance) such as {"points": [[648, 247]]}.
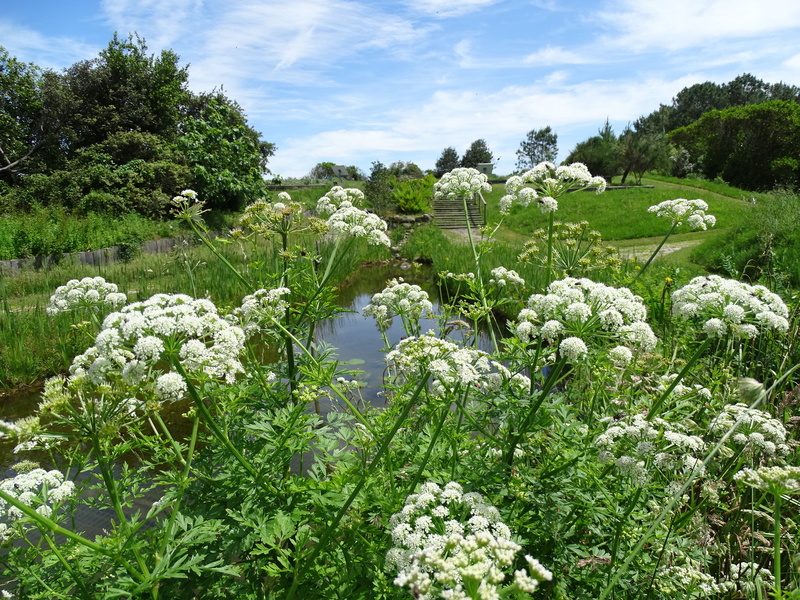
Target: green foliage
{"points": [[405, 170], [640, 153], [225, 155], [378, 189], [753, 147], [447, 161], [413, 196], [477, 153], [763, 248], [539, 145], [600, 153]]}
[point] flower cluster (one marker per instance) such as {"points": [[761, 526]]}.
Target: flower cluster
{"points": [[42, 490], [576, 309], [776, 480], [463, 182], [398, 298], [89, 292], [261, 308], [135, 344], [635, 444], [503, 277], [336, 197], [454, 545], [689, 582], [545, 183], [680, 210], [449, 364], [726, 305], [347, 220], [755, 432]]}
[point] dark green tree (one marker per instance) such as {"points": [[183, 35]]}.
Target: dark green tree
{"points": [[600, 153], [447, 161], [640, 152], [125, 89], [754, 147], [227, 157], [378, 189], [539, 145], [405, 170], [477, 153]]}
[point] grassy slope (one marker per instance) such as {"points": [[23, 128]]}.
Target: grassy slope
{"points": [[621, 215]]}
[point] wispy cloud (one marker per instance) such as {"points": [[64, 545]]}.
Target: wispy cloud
{"points": [[448, 8], [47, 52], [678, 24]]}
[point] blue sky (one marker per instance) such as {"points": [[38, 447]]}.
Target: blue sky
{"points": [[354, 81]]}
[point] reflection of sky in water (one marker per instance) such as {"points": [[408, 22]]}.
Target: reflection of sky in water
{"points": [[357, 338]]}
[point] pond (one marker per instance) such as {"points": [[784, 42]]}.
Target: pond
{"points": [[355, 336]]}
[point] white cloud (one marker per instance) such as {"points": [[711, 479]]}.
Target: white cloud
{"points": [[456, 118], [555, 55], [681, 24], [160, 22]]}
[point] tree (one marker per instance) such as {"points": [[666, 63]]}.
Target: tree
{"points": [[477, 153], [124, 89], [378, 189], [227, 157], [754, 147], [322, 170], [405, 170], [447, 161], [640, 152], [31, 111], [599, 153], [539, 145]]}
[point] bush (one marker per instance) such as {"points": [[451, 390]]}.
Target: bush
{"points": [[413, 196]]}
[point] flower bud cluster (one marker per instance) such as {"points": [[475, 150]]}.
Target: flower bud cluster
{"points": [[580, 309], [89, 292], [729, 306], [680, 210], [135, 344], [398, 298], [462, 182], [755, 432], [689, 582], [636, 445], [268, 218], [545, 184], [447, 542], [44, 491]]}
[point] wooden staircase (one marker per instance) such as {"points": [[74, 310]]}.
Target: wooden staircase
{"points": [[449, 214]]}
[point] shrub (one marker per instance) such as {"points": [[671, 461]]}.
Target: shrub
{"points": [[413, 195]]}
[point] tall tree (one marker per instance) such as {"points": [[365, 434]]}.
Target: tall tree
{"points": [[447, 161], [599, 153], [125, 89], [477, 153], [539, 145], [640, 152], [227, 157]]}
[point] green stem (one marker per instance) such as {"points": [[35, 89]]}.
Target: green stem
{"points": [[217, 432], [308, 562], [42, 521], [776, 545], [76, 576], [550, 220], [689, 364], [429, 450], [655, 253]]}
